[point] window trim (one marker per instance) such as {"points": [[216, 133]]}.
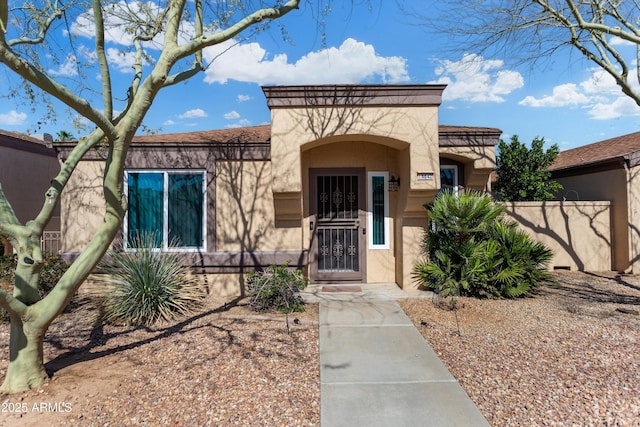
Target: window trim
{"points": [[387, 234], [165, 209], [456, 178]]}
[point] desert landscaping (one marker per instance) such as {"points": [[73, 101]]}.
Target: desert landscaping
{"points": [[565, 357]]}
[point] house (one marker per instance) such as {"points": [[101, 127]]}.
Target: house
{"points": [[335, 184], [608, 170], [27, 165]]}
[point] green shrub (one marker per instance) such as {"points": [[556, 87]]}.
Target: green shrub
{"points": [[52, 270], [473, 251], [148, 286], [277, 287]]}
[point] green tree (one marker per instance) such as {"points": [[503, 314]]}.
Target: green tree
{"points": [[167, 39], [523, 173], [64, 135]]}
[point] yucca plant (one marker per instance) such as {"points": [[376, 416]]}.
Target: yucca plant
{"points": [[148, 285], [470, 249]]}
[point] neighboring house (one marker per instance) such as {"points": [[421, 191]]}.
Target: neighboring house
{"points": [[336, 185], [27, 165], [608, 170]]}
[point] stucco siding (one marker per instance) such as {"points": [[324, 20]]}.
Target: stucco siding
{"points": [[578, 233], [294, 128], [82, 206], [25, 177], [244, 210], [609, 185], [633, 186]]}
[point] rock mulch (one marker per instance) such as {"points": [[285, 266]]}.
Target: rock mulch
{"points": [[218, 368], [567, 357]]}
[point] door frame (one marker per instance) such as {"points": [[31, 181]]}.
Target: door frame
{"points": [[337, 277]]}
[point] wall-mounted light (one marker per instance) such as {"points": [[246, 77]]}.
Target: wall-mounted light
{"points": [[394, 183]]}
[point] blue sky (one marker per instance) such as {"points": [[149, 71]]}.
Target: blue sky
{"points": [[569, 102]]}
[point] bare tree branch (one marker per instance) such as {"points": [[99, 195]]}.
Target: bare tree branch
{"points": [[529, 31], [55, 13], [258, 16], [107, 97], [11, 304], [52, 87]]}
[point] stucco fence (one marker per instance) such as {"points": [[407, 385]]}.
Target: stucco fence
{"points": [[579, 233]]}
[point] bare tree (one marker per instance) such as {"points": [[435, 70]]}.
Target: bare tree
{"points": [[167, 39], [602, 31]]}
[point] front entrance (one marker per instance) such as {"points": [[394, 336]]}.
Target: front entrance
{"points": [[337, 201]]}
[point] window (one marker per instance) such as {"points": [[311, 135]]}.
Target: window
{"points": [[169, 204], [449, 178], [378, 210]]}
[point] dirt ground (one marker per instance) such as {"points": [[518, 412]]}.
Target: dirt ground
{"points": [[224, 366], [566, 357]]}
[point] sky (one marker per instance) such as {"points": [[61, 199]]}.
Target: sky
{"points": [[569, 102]]}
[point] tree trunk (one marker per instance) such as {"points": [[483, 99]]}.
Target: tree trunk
{"points": [[26, 367]]}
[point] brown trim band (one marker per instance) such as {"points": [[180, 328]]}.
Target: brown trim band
{"points": [[233, 262], [353, 95]]}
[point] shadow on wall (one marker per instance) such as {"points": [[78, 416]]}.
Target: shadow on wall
{"points": [[579, 233]]}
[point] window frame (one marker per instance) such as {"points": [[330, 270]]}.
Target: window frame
{"points": [[370, 219], [456, 178], [165, 209]]}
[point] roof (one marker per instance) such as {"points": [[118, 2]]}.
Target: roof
{"points": [[262, 134], [19, 141], [259, 134], [600, 152]]}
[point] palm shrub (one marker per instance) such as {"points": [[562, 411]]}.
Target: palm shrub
{"points": [[276, 287], [471, 250], [148, 285]]}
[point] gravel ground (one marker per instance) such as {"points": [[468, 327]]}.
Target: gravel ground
{"points": [[566, 357], [221, 368]]}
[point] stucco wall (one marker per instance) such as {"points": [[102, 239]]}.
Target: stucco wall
{"points": [[577, 232], [610, 185], [373, 157], [245, 218], [396, 126], [25, 177], [82, 206], [479, 162], [633, 227]]}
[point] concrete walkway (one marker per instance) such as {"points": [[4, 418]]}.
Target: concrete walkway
{"points": [[377, 370]]}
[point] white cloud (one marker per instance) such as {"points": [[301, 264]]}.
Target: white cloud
{"points": [[620, 107], [598, 94], [168, 122], [116, 22], [68, 68], [12, 118], [193, 114], [232, 115], [564, 95], [240, 124], [476, 79], [352, 62], [244, 98], [122, 60], [600, 83]]}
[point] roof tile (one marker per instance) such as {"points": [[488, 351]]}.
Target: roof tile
{"points": [[598, 152]]}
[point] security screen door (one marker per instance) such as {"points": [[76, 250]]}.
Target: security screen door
{"points": [[338, 225]]}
